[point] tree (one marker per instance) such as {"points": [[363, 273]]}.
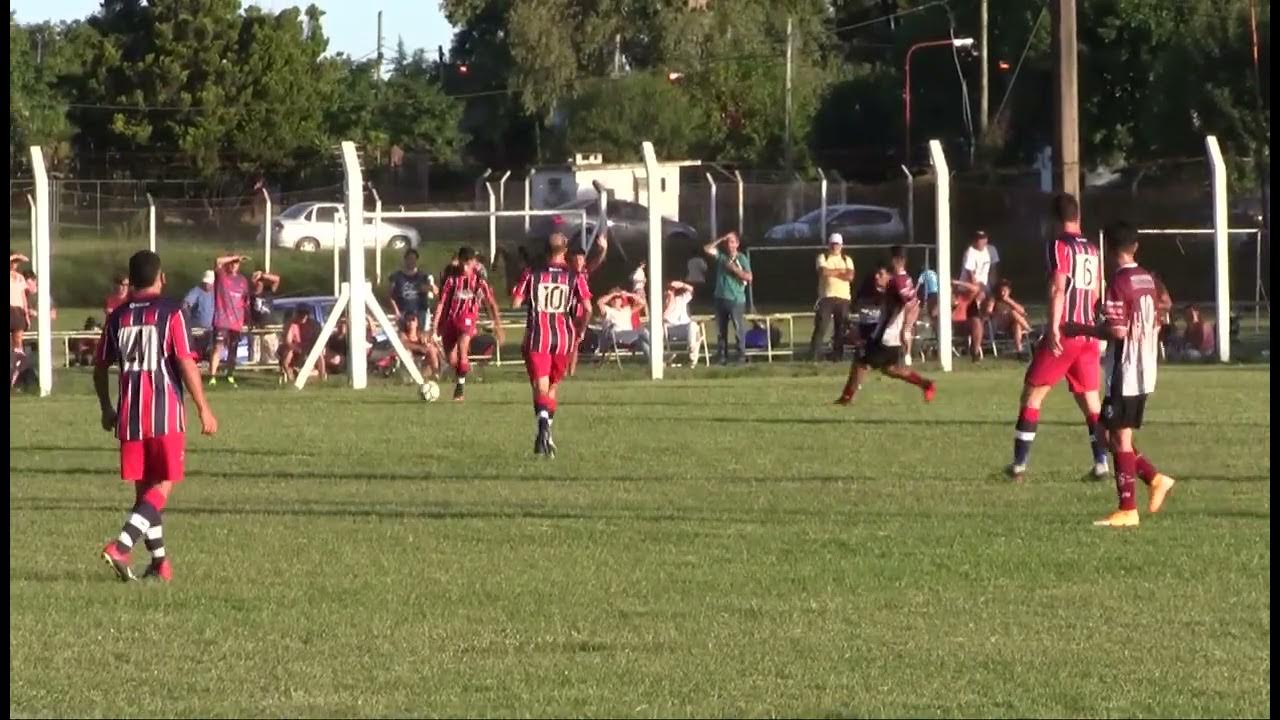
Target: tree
{"points": [[414, 111], [37, 114], [608, 116]]}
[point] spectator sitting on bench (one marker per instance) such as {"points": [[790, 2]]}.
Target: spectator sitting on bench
{"points": [[966, 316], [300, 335], [82, 350], [1008, 315], [618, 308], [1197, 339], [417, 342], [675, 318]]}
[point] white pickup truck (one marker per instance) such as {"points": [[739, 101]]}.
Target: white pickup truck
{"points": [[310, 226]]}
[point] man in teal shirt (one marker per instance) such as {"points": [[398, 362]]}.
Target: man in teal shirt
{"points": [[733, 274]]}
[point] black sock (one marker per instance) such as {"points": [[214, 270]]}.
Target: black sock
{"points": [[155, 542]]}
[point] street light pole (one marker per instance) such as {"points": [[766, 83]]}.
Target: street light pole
{"points": [[906, 89]]}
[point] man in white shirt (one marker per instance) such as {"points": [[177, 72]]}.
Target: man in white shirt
{"points": [[675, 318], [979, 264], [619, 308]]}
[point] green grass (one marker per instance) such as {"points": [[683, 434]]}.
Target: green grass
{"points": [[727, 546]]}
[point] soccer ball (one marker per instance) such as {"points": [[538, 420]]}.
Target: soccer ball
{"points": [[429, 391]]}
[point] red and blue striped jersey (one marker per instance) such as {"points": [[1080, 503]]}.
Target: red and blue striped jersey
{"points": [[1079, 260], [145, 337], [461, 296], [554, 297]]}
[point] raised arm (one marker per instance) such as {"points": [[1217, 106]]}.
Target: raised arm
{"points": [[713, 248], [594, 261]]}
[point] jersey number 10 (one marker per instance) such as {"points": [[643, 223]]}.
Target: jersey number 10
{"points": [[553, 298]]}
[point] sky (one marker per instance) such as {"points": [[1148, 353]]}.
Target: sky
{"points": [[351, 25]]}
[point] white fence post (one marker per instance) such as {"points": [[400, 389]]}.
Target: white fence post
{"points": [[911, 205], [31, 202], [528, 197], [377, 235], [266, 231], [40, 259], [657, 352], [742, 221], [502, 190], [357, 356], [715, 228], [337, 263], [1221, 251], [151, 223], [942, 211], [822, 188], [493, 224]]}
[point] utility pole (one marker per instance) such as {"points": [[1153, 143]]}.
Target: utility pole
{"points": [[1066, 99], [984, 59], [377, 71], [617, 54]]}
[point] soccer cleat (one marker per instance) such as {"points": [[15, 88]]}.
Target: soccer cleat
{"points": [[459, 392], [549, 445], [844, 399], [1161, 484], [1100, 470], [540, 443], [1119, 519], [231, 380], [930, 392], [159, 570], [213, 381], [118, 561], [1016, 472]]}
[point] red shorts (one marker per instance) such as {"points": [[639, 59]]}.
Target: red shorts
{"points": [[1079, 363], [453, 330], [153, 459], [546, 365]]}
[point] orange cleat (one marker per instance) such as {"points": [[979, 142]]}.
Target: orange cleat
{"points": [[118, 561], [930, 392], [1161, 484], [1119, 519]]}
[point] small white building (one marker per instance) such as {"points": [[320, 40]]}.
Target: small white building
{"points": [[558, 185]]}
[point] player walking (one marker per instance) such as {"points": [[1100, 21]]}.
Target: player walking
{"points": [[1075, 270], [147, 338], [883, 351], [1131, 311], [553, 295], [455, 319]]}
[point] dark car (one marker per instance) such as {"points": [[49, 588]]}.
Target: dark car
{"points": [[628, 224]]}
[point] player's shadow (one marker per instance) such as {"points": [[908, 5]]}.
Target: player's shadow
{"points": [[926, 422], [115, 449]]}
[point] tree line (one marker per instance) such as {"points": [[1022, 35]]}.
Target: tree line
{"points": [[208, 89]]}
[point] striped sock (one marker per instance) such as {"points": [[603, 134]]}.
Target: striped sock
{"points": [[143, 516], [155, 542], [1024, 434]]}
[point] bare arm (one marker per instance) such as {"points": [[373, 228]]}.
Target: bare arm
{"points": [[223, 260], [1057, 308], [594, 261], [191, 378], [102, 386], [909, 315], [495, 316]]}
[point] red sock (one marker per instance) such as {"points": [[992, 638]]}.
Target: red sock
{"points": [[914, 378], [1125, 471], [464, 367], [1146, 471], [155, 498]]}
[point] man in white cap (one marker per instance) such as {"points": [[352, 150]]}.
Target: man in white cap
{"points": [[835, 276], [198, 306]]}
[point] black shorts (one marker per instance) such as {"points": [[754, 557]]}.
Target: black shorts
{"points": [[227, 338], [880, 356], [1123, 412], [18, 320]]}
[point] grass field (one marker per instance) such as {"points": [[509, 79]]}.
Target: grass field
{"points": [[727, 546]]}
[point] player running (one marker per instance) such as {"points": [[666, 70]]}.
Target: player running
{"points": [[147, 338], [1075, 270], [1131, 309], [455, 319], [883, 351], [553, 295]]}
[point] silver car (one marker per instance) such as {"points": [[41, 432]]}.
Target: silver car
{"points": [[311, 226], [857, 223]]}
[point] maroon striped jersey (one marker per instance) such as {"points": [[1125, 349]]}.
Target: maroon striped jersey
{"points": [[898, 296], [554, 296], [462, 295], [1078, 259], [1131, 304], [145, 337]]}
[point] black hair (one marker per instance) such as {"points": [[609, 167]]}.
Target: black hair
{"points": [[144, 269], [1122, 237], [897, 252], [465, 253], [1066, 208], [409, 252]]}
